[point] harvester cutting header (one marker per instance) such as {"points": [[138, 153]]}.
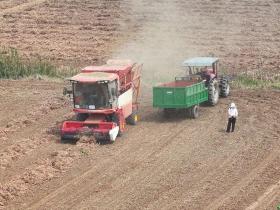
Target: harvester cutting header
{"points": [[105, 99]]}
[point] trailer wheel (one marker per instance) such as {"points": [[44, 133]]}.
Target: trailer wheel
{"points": [[187, 113], [194, 111], [167, 112], [224, 86], [213, 92], [132, 119]]}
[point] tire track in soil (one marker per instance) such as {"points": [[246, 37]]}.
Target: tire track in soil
{"points": [[245, 182], [27, 149], [229, 160], [41, 171], [23, 126], [91, 170], [130, 174], [90, 184], [269, 197], [199, 196], [28, 145], [258, 185], [86, 192], [81, 191], [127, 192], [22, 153], [157, 171]]}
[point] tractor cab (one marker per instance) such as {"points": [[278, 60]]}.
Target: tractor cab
{"points": [[94, 91], [206, 68]]}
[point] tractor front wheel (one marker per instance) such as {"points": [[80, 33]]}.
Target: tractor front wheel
{"points": [[213, 92]]}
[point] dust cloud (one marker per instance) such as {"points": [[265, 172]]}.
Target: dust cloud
{"points": [[158, 42]]}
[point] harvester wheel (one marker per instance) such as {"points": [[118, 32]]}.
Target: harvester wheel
{"points": [[194, 111], [62, 139], [66, 139], [132, 119], [224, 86], [117, 121], [213, 92], [81, 116], [120, 133]]}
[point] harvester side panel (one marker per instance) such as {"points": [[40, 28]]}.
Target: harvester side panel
{"points": [[125, 102], [136, 82]]}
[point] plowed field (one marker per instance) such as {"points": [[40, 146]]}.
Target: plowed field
{"points": [[158, 164]]}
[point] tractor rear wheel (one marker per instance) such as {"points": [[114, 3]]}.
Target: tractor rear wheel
{"points": [[132, 119], [224, 86], [213, 92], [193, 111]]}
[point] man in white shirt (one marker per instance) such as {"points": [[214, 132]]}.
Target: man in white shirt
{"points": [[232, 115]]}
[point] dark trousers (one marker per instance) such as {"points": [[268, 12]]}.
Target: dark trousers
{"points": [[231, 124]]}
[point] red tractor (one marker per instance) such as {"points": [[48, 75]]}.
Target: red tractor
{"points": [[105, 99], [206, 68]]}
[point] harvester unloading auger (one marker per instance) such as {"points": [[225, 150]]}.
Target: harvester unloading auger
{"points": [[105, 99]]}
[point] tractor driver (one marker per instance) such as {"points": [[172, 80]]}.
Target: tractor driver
{"points": [[201, 72], [205, 73]]}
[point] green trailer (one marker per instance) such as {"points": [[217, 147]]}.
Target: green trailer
{"points": [[183, 94]]}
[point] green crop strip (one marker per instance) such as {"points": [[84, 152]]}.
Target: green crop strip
{"points": [[249, 82], [13, 66]]}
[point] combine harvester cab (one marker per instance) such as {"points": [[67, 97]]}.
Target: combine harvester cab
{"points": [[105, 98]]}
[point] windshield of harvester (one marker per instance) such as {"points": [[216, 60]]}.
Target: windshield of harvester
{"points": [[91, 95]]}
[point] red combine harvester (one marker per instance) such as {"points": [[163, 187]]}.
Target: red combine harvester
{"points": [[105, 99]]}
